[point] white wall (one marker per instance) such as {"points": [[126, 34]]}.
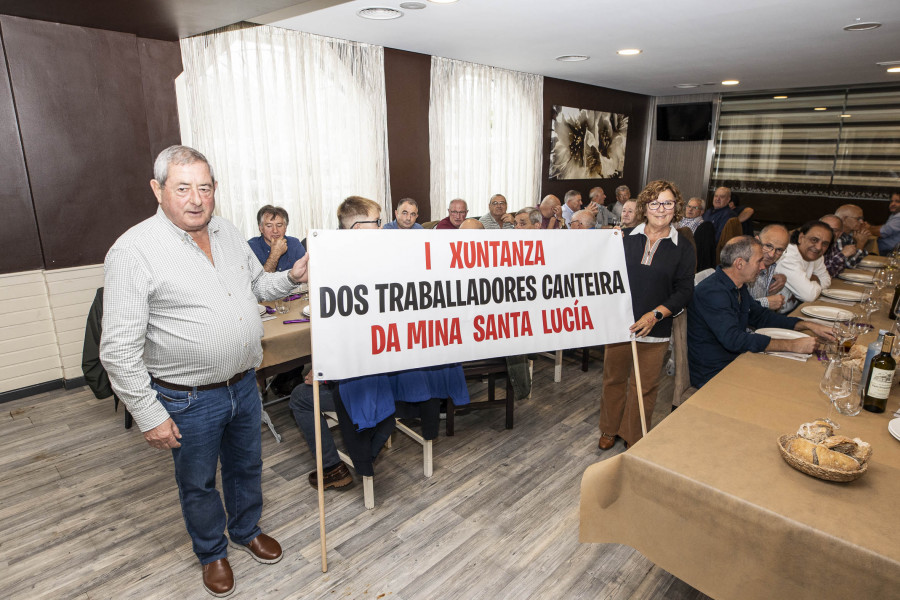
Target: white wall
{"points": [[42, 319]]}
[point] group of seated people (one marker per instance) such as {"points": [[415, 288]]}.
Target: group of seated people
{"points": [[760, 277]]}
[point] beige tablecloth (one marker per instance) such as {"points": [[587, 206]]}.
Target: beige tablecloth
{"points": [[282, 343], [707, 496]]}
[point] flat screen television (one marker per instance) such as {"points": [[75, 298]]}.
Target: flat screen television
{"points": [[684, 122]]}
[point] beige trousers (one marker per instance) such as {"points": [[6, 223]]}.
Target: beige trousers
{"points": [[619, 412]]}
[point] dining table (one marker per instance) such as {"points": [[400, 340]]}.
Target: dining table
{"points": [[707, 496], [286, 346]]}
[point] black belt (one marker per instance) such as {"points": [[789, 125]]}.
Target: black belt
{"points": [[208, 386]]}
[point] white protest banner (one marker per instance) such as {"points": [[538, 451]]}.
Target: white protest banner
{"points": [[385, 301]]}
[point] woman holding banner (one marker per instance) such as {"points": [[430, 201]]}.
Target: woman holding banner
{"points": [[660, 267]]}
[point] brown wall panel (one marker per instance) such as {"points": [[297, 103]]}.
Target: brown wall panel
{"points": [[160, 65], [407, 79], [84, 132], [20, 249], [580, 95]]}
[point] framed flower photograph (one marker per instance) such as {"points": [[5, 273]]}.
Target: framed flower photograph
{"points": [[587, 144]]}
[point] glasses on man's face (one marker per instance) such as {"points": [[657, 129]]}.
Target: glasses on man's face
{"points": [[664, 205], [497, 203], [376, 221], [770, 249], [459, 213]]}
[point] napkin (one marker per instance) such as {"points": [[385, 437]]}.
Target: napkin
{"points": [[790, 355]]}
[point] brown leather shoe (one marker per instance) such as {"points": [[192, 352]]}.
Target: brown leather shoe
{"points": [[262, 548], [336, 477], [606, 441], [218, 579]]}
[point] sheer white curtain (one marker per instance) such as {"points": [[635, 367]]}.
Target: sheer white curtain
{"points": [[485, 135], [287, 118]]}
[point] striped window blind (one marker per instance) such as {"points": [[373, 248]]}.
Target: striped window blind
{"points": [[837, 142]]}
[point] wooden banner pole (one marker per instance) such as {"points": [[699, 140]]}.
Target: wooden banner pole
{"points": [[319, 475], [637, 380]]}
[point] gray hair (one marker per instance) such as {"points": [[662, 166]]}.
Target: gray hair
{"points": [[739, 247], [407, 201], [702, 202], [177, 155], [571, 194], [590, 217], [621, 189], [846, 210], [534, 215]]}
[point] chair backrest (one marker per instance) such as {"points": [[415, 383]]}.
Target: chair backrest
{"points": [[701, 275], [732, 229], [681, 385], [429, 224]]}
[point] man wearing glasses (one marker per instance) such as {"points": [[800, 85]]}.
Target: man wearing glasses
{"points": [[457, 214], [768, 288], [497, 217], [852, 242]]}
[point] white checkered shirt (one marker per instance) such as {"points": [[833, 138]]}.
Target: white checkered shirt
{"points": [[169, 312]]}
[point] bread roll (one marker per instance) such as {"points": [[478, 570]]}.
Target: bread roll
{"points": [[803, 449], [840, 443], [816, 431], [863, 451], [834, 460]]}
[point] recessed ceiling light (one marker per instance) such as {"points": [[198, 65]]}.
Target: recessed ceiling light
{"points": [[846, 116], [860, 25], [894, 70], [380, 13], [629, 51], [572, 57], [730, 82], [780, 97], [686, 86], [820, 108], [412, 5]]}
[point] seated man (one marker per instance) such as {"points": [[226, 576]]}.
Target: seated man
{"points": [[335, 471], [768, 288], [889, 233], [528, 218], [472, 224], [597, 205], [803, 264], [571, 205], [551, 213], [693, 214], [456, 214], [623, 194], [720, 212], [497, 217], [583, 219], [855, 234], [627, 214], [834, 257], [406, 214], [275, 250], [722, 309]]}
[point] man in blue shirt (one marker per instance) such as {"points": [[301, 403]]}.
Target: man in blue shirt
{"points": [[275, 250], [889, 233], [722, 309], [407, 212], [720, 212]]}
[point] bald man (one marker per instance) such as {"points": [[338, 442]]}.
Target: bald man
{"points": [[719, 213], [855, 236], [551, 212]]}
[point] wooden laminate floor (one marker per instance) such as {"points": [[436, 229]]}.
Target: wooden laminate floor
{"points": [[89, 511]]}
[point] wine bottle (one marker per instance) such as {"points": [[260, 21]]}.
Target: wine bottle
{"points": [[881, 373]]}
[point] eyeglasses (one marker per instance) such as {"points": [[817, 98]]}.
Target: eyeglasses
{"points": [[665, 205], [459, 212], [770, 249], [498, 203], [376, 221]]}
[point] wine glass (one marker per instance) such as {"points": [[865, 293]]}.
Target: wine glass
{"points": [[869, 302], [851, 403], [836, 381], [841, 329]]}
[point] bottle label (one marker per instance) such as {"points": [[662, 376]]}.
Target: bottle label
{"points": [[880, 383]]}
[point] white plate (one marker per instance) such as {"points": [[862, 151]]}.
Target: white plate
{"points": [[827, 313], [857, 276], [262, 310], [305, 311], [894, 428], [837, 294], [781, 334], [874, 261]]}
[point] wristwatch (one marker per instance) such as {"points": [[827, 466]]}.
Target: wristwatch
{"points": [[658, 315], [291, 279]]}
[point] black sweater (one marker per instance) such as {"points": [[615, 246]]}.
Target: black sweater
{"points": [[668, 280]]}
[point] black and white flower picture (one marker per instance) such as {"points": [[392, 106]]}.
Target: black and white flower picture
{"points": [[587, 144]]}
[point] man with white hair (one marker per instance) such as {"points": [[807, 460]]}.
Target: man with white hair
{"points": [[583, 219], [693, 214], [623, 194], [456, 214], [571, 205], [852, 242]]}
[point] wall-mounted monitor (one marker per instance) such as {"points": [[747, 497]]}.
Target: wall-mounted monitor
{"points": [[684, 122]]}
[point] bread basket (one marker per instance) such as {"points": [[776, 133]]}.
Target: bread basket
{"points": [[815, 470]]}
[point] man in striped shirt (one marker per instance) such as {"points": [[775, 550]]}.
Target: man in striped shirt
{"points": [[181, 339]]}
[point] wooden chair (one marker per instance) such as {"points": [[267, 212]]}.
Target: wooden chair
{"points": [[732, 229], [681, 386], [493, 368]]}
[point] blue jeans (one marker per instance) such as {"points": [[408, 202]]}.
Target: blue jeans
{"points": [[302, 406], [221, 424]]}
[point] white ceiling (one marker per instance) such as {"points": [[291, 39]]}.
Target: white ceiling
{"points": [[766, 44]]}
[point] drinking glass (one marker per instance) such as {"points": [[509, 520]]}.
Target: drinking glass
{"points": [[835, 383], [869, 302], [281, 307], [851, 404]]}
